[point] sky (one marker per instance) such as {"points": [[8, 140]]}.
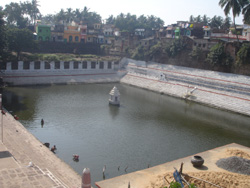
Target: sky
{"points": [[169, 11]]}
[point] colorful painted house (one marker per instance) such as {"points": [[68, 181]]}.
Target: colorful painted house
{"points": [[72, 33], [43, 32], [57, 32]]}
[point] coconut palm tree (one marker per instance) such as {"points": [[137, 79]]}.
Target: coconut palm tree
{"points": [[246, 13], [232, 5]]}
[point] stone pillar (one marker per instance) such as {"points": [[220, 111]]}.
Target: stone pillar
{"points": [[86, 180], [20, 65]]}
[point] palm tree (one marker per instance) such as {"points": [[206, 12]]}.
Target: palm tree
{"points": [[191, 18], [246, 13], [205, 19], [236, 7]]}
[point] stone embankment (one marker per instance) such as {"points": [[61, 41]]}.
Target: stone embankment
{"points": [[26, 162], [73, 72], [221, 90]]}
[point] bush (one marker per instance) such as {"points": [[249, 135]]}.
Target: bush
{"points": [[51, 57], [174, 48], [218, 56], [243, 55]]}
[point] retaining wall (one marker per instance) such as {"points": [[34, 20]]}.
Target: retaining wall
{"points": [[42, 72], [221, 90]]}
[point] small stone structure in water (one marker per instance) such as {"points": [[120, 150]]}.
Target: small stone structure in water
{"points": [[114, 98]]}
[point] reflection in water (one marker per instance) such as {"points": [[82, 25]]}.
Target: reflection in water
{"points": [[148, 128], [114, 110]]}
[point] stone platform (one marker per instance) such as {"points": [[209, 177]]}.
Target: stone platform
{"points": [[18, 149]]}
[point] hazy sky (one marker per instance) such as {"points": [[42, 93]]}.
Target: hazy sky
{"points": [[169, 11]]}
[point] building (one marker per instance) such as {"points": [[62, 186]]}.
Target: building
{"points": [[72, 33], [43, 32], [84, 33], [57, 32]]}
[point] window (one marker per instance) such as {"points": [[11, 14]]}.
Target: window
{"points": [[101, 66], [66, 65], [70, 38], [57, 65], [93, 65], [14, 65], [204, 45], [84, 64], [26, 65], [76, 38], [37, 65], [76, 64], [109, 65], [47, 65]]}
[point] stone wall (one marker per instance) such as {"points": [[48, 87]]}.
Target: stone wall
{"points": [[42, 72], [221, 90]]}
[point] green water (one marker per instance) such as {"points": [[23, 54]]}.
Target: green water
{"points": [[146, 130]]}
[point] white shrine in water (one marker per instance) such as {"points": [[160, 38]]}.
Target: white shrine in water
{"points": [[114, 98]]}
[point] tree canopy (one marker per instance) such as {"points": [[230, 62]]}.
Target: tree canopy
{"points": [[130, 22]]}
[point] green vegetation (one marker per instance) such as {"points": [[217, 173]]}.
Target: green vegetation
{"points": [[218, 57], [243, 55], [64, 57], [215, 22], [235, 6], [3, 39], [139, 53], [178, 185], [20, 39], [131, 22], [196, 53], [174, 48]]}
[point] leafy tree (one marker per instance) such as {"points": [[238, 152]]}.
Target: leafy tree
{"points": [[196, 53], [3, 39], [246, 13], [234, 5], [205, 19], [191, 18], [226, 23], [14, 15], [218, 56], [174, 48], [131, 22], [69, 15], [216, 22], [60, 16], [110, 20], [139, 53], [243, 55], [49, 19], [31, 9], [198, 19], [19, 40], [154, 51]]}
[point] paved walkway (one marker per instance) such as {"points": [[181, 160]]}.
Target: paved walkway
{"points": [[146, 178], [18, 149]]}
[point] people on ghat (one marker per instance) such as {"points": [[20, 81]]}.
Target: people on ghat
{"points": [[75, 157], [53, 149], [16, 118]]}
